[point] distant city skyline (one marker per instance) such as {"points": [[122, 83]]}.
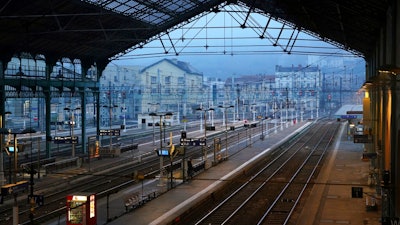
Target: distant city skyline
{"points": [[217, 46], [235, 66]]}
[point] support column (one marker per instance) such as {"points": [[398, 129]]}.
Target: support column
{"points": [[396, 119], [83, 120], [84, 68], [395, 151], [50, 62], [2, 119], [99, 72], [385, 65], [47, 104]]}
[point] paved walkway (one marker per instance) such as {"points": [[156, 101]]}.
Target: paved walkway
{"points": [[330, 201]]}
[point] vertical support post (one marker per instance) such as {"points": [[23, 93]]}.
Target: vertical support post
{"points": [[205, 139], [48, 120], [15, 207], [171, 171], [226, 137], [154, 132], [2, 124], [97, 110], [72, 130], [2, 178], [15, 159], [83, 122], [161, 183], [110, 112], [108, 207]]}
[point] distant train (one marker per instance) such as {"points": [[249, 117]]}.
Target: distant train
{"points": [[250, 124]]}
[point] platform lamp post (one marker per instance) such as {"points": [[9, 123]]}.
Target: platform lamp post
{"points": [[153, 124], [281, 125], [124, 121], [110, 107], [205, 132], [253, 107], [154, 131], [71, 127], [161, 145], [201, 118], [226, 128], [4, 131], [287, 107]]}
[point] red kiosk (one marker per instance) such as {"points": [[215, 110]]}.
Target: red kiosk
{"points": [[81, 209]]}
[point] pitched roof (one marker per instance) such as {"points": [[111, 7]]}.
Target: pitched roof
{"points": [[298, 68], [180, 64], [247, 79]]}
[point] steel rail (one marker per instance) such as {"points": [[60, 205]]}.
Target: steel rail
{"points": [[275, 164]]}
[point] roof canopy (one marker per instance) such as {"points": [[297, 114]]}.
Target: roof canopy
{"points": [[99, 30]]}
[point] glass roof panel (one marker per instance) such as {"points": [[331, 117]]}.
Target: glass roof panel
{"points": [[149, 11]]}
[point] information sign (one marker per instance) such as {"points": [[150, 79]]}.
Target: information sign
{"points": [[38, 199], [110, 132], [162, 152], [193, 142], [355, 112], [390, 221], [370, 155], [356, 192], [348, 117], [14, 188], [66, 140], [362, 138]]}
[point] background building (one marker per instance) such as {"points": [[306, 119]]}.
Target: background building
{"points": [[250, 94], [298, 88], [164, 86], [129, 93]]}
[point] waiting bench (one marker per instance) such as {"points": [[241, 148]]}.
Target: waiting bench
{"points": [[37, 164], [129, 147], [136, 200], [61, 164]]}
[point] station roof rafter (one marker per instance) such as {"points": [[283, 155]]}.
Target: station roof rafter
{"points": [[100, 30]]}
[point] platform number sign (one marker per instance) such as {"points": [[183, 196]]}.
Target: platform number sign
{"points": [[390, 221], [37, 199], [356, 192]]}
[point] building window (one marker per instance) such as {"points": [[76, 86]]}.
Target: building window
{"points": [[153, 79], [181, 80], [181, 91], [168, 80]]}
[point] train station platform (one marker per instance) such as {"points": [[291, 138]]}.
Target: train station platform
{"points": [[330, 201], [170, 205]]}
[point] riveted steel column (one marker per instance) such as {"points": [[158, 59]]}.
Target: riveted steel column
{"points": [[50, 62], [2, 119], [394, 22]]}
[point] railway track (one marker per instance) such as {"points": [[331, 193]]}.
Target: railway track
{"points": [[269, 192]]}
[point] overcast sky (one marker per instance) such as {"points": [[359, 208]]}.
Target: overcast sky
{"points": [[217, 46]]}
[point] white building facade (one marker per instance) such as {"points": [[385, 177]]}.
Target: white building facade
{"points": [[298, 87]]}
